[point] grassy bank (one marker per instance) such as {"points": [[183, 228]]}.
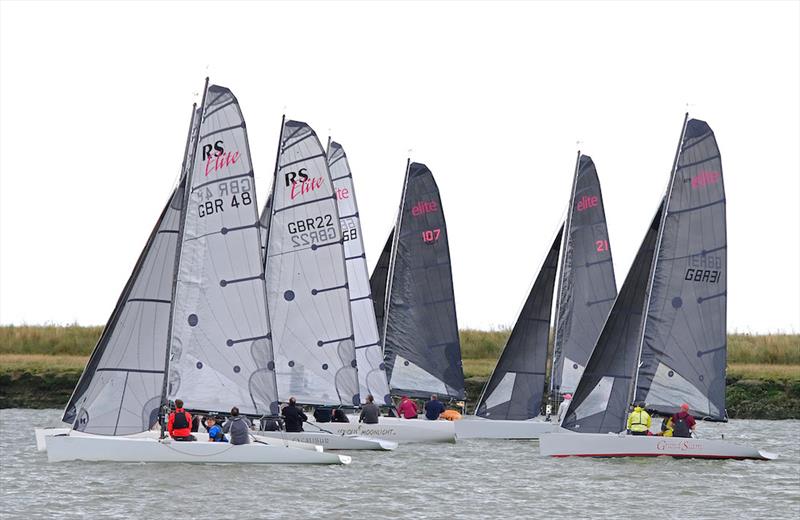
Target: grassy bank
{"points": [[39, 366]]}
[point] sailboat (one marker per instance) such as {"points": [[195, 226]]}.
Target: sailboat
{"points": [[664, 342], [510, 404], [307, 288], [192, 320]]}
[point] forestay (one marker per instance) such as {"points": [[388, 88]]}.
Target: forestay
{"points": [[421, 344], [307, 280], [587, 287], [516, 386], [221, 354], [600, 401], [119, 392], [684, 348], [369, 354]]}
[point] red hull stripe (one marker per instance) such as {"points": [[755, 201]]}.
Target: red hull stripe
{"points": [[687, 456]]}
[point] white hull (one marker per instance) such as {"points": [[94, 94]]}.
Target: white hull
{"points": [[43, 433], [473, 427], [620, 445], [330, 441], [97, 448], [402, 431]]}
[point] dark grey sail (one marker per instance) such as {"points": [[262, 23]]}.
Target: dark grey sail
{"points": [[369, 353], [600, 401], [421, 344], [264, 220], [307, 279], [378, 281], [587, 287], [683, 357], [119, 392], [516, 386], [220, 350]]}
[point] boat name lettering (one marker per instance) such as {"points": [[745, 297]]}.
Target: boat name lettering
{"points": [[705, 178], [210, 207], [681, 445], [219, 159], [369, 432], [291, 177], [702, 275], [423, 207], [306, 186], [587, 202]]}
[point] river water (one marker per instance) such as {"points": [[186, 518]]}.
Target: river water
{"points": [[470, 479]]}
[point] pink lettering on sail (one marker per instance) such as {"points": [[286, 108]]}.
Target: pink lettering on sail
{"points": [[705, 178], [587, 202], [422, 207], [301, 188], [223, 160]]}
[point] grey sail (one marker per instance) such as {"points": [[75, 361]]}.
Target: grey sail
{"points": [[220, 350], [421, 344], [600, 401], [307, 279], [683, 356], [378, 281], [587, 287], [369, 353], [119, 392], [516, 387]]}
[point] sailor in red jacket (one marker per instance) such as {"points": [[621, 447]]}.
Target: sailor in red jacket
{"points": [[179, 424]]}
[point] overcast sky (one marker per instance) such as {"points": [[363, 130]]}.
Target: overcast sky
{"points": [[95, 101]]}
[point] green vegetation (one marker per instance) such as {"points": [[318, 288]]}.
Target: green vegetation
{"points": [[39, 366]]}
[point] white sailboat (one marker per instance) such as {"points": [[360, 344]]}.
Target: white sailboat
{"points": [[192, 320], [510, 405], [664, 342]]}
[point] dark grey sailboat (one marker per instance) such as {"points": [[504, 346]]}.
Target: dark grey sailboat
{"points": [[420, 331]]}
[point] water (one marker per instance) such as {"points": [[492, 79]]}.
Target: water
{"points": [[471, 479]]}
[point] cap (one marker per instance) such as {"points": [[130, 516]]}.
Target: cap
{"points": [[567, 396], [685, 407]]}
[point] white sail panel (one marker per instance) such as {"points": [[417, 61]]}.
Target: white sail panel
{"points": [[221, 354], [369, 353], [306, 278]]}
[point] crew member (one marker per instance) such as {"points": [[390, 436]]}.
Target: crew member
{"points": [[293, 416], [179, 424], [214, 430], [639, 421], [238, 426], [683, 422], [433, 408], [370, 411], [407, 408]]}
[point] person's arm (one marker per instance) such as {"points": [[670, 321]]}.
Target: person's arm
{"points": [[630, 417], [169, 423], [361, 417], [303, 416], [226, 427]]}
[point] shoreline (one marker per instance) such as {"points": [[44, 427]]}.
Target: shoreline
{"points": [[745, 398]]}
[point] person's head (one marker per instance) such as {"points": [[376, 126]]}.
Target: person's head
{"points": [[405, 398], [178, 403], [641, 404], [567, 397], [211, 421], [370, 399], [292, 401], [234, 412], [434, 397], [685, 407]]}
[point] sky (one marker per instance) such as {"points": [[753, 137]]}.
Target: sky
{"points": [[495, 98]]}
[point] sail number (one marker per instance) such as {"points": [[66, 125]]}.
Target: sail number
{"points": [[601, 245], [702, 275], [349, 229], [310, 231], [210, 207], [431, 235]]}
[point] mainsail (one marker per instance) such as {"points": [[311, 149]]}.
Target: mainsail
{"points": [[600, 402], [421, 344], [119, 392], [221, 353], [515, 389], [586, 289], [307, 279], [684, 342], [369, 354]]}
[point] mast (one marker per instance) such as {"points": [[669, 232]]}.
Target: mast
{"points": [[178, 246], [564, 244], [390, 274], [632, 393]]}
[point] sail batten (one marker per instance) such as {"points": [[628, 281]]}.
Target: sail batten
{"points": [[307, 281], [421, 344], [369, 354]]}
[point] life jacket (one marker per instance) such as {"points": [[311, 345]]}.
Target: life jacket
{"points": [[639, 420], [180, 421], [680, 427], [666, 427], [219, 436], [451, 415]]}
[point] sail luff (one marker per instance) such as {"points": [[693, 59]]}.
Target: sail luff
{"points": [[668, 196], [565, 244], [187, 173]]}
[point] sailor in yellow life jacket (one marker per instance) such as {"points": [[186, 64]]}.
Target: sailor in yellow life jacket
{"points": [[639, 421]]}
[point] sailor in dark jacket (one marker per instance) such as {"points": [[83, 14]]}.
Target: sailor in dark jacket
{"points": [[238, 426], [293, 416]]}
